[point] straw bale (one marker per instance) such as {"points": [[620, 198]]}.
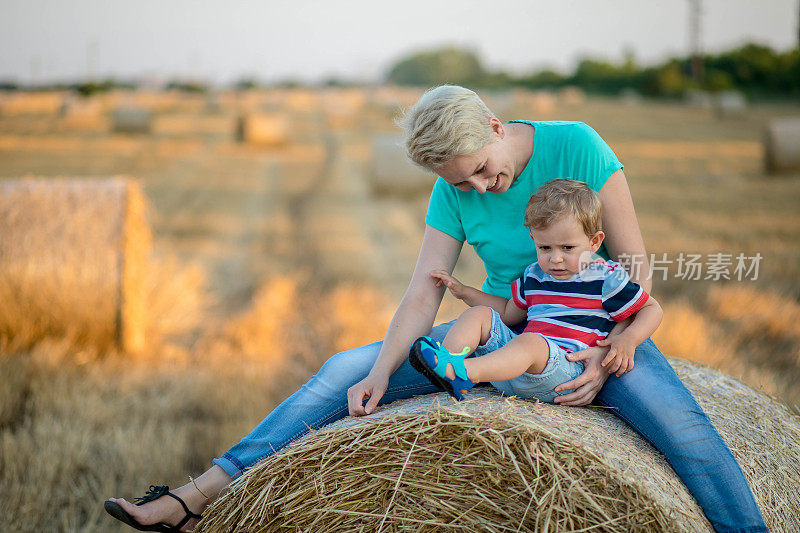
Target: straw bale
{"points": [[698, 98], [503, 464], [72, 261], [129, 119], [572, 96], [392, 170], [83, 114], [630, 96], [302, 100], [782, 145], [342, 107], [32, 103], [730, 104], [264, 129], [392, 98]]}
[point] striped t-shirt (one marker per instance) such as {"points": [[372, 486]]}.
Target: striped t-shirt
{"points": [[579, 311]]}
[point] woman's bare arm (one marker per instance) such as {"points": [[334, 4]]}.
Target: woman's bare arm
{"points": [[414, 317], [623, 237]]}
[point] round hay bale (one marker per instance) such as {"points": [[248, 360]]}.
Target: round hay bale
{"points": [[393, 173], [504, 464], [129, 119], [571, 96], [263, 129], [43, 103], [730, 104], [698, 98], [72, 261], [782, 145]]}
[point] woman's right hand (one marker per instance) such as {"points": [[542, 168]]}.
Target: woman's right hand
{"points": [[372, 387], [588, 384]]}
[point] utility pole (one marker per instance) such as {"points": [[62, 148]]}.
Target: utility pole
{"points": [[695, 13]]}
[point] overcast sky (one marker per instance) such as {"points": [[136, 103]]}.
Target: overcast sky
{"points": [[222, 41]]}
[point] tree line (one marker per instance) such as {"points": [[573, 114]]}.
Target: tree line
{"points": [[754, 69]]}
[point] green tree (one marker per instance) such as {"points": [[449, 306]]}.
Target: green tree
{"points": [[444, 65]]}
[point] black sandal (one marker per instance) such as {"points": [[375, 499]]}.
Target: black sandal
{"points": [[116, 510]]}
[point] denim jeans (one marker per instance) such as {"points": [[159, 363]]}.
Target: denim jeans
{"points": [[650, 398]]}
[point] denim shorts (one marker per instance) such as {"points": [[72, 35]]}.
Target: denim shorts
{"points": [[540, 386]]}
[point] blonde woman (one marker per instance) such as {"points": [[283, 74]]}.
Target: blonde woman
{"points": [[488, 170]]}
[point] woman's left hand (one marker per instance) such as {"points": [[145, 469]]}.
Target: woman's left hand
{"points": [[588, 384]]}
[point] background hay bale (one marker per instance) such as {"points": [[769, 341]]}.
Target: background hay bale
{"points": [[72, 261], [782, 145], [698, 98], [499, 464], [263, 129], [730, 104], [131, 120], [42, 103], [571, 96], [392, 173]]}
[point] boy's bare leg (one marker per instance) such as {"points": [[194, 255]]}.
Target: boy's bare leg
{"points": [[471, 329], [212, 482], [527, 352]]}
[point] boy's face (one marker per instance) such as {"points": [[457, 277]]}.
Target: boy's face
{"points": [[563, 249]]}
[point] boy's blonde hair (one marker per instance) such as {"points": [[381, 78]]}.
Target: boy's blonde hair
{"points": [[561, 197], [446, 122]]}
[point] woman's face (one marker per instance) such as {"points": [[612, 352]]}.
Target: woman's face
{"points": [[490, 169]]}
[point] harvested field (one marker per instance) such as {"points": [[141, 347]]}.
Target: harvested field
{"points": [[250, 242]]}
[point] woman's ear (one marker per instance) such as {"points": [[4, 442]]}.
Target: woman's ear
{"points": [[597, 240], [497, 127]]}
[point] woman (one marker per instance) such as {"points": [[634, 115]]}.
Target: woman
{"points": [[488, 170]]}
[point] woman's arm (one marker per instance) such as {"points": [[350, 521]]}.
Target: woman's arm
{"points": [[623, 237], [414, 317]]}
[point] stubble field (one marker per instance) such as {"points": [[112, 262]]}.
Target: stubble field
{"points": [[269, 259]]}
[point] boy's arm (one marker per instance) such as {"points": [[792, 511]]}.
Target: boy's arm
{"points": [[623, 344], [507, 309]]}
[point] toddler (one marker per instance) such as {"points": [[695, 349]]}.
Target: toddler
{"points": [[570, 302]]}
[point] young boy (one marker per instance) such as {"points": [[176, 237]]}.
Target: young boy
{"points": [[570, 302]]}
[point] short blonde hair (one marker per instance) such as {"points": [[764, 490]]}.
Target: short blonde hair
{"points": [[561, 197], [446, 122]]}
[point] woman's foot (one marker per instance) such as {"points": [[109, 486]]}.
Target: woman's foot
{"points": [[165, 509], [213, 482]]}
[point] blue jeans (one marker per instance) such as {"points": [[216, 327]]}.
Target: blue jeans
{"points": [[650, 398]]}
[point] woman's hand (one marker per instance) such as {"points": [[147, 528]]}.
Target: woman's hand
{"points": [[372, 387], [456, 288], [588, 384]]}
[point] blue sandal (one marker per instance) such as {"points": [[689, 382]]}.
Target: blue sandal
{"points": [[430, 359]]}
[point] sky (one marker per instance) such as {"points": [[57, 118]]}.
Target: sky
{"points": [[221, 41]]}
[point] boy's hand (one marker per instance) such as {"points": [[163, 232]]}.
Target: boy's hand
{"points": [[456, 288], [620, 357]]}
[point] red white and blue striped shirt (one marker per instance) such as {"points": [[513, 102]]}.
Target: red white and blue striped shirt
{"points": [[579, 311]]}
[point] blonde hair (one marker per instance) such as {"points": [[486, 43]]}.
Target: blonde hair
{"points": [[446, 122], [561, 197]]}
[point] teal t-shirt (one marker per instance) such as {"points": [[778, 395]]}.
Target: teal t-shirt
{"points": [[493, 223]]}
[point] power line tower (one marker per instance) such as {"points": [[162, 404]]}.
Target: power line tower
{"points": [[697, 66]]}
